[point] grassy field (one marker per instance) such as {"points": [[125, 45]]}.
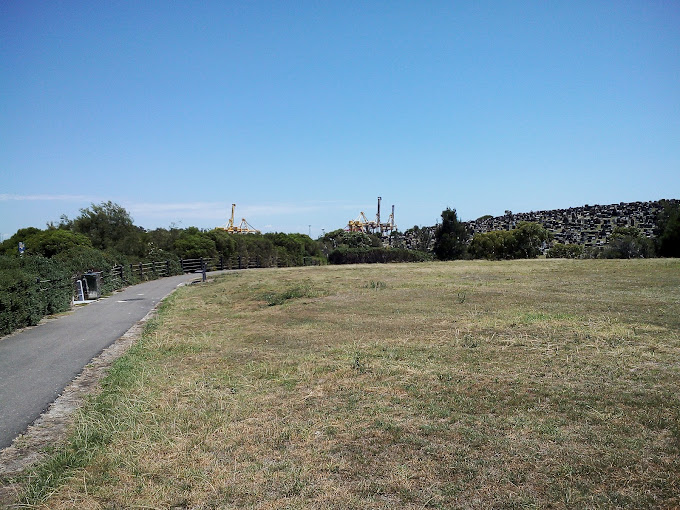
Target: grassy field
{"points": [[523, 384]]}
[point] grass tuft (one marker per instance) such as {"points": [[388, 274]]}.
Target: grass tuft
{"points": [[295, 292], [377, 285]]}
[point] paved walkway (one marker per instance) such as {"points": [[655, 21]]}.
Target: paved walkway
{"points": [[36, 364]]}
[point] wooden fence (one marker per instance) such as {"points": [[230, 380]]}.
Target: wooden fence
{"points": [[222, 263], [236, 262]]}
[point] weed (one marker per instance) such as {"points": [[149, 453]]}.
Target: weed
{"points": [[358, 363], [298, 291], [377, 285]]}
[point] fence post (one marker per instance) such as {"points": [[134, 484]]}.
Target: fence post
{"points": [[181, 264], [153, 266], [221, 262], [167, 268], [141, 271], [132, 271], [122, 273], [239, 261]]}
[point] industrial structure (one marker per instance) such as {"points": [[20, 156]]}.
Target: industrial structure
{"points": [[363, 224], [243, 228]]}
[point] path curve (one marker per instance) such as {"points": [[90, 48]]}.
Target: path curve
{"points": [[37, 363]]}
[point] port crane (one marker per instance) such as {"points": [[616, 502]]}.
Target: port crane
{"points": [[243, 228], [363, 224]]}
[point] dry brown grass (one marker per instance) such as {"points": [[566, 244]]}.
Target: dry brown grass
{"points": [[544, 383]]}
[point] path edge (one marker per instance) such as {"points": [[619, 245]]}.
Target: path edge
{"points": [[52, 426]]}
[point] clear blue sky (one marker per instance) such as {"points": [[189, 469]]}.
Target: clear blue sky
{"points": [[302, 113]]}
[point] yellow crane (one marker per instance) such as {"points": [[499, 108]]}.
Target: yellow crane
{"points": [[359, 224], [362, 224], [243, 228]]}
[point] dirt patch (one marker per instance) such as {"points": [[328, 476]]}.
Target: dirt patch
{"points": [[51, 427]]}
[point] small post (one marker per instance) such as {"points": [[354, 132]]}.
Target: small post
{"points": [[141, 271], [204, 269], [79, 290], [221, 262], [181, 264], [167, 268], [239, 261]]}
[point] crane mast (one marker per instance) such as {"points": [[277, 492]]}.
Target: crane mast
{"points": [[243, 228], [362, 224]]}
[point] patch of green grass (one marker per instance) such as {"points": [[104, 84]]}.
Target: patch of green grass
{"points": [[294, 292]]}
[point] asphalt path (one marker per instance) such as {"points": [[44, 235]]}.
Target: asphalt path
{"points": [[36, 364]]}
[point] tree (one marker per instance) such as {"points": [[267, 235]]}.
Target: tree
{"points": [[494, 245], [450, 237], [163, 239], [530, 238], [629, 243], [195, 246], [668, 228], [11, 246], [420, 238], [49, 243], [224, 242], [525, 241], [109, 227], [340, 237]]}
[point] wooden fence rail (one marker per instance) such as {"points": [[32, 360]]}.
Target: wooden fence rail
{"points": [[222, 263]]}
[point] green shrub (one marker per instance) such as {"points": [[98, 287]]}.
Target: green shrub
{"points": [[30, 288], [523, 242], [565, 251], [20, 304], [346, 255]]}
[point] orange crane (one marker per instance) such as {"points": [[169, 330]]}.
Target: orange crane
{"points": [[243, 228]]}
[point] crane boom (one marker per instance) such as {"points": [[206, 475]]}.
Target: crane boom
{"points": [[243, 228]]}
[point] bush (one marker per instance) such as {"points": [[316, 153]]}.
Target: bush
{"points": [[525, 241], [347, 255], [30, 288], [628, 243], [19, 300], [565, 251]]}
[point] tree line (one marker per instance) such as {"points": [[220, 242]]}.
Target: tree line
{"points": [[108, 229], [453, 241], [40, 281]]}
